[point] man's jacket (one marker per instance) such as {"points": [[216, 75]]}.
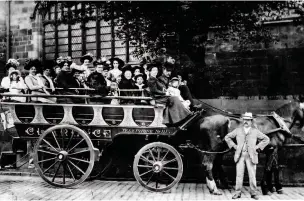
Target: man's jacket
{"points": [[251, 138]]}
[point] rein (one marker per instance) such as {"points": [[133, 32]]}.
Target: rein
{"points": [[192, 146]]}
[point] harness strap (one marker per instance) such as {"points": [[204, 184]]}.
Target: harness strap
{"points": [[192, 146]]}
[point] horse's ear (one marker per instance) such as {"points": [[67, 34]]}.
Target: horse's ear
{"points": [[301, 98]]}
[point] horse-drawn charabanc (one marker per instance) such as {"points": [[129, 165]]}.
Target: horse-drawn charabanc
{"points": [[70, 138]]}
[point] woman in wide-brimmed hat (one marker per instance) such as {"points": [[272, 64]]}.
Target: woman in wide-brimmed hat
{"points": [[47, 76], [34, 83], [115, 72], [126, 83], [11, 65], [85, 60], [17, 86]]}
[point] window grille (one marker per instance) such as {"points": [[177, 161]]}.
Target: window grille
{"points": [[90, 36]]}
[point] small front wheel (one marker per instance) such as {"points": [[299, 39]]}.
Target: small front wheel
{"points": [[158, 166], [64, 156]]}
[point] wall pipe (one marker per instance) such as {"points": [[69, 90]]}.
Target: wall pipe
{"points": [[8, 30]]}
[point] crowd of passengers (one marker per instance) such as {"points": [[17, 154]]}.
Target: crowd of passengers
{"points": [[109, 78]]}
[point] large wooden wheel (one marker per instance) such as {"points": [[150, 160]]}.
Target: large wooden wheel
{"points": [[64, 156], [158, 166]]}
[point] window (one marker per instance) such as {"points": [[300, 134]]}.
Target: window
{"points": [[92, 35]]}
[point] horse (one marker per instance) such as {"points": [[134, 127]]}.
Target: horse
{"points": [[213, 124]]}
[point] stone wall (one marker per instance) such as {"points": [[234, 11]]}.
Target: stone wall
{"points": [[25, 33], [2, 36], [259, 72]]}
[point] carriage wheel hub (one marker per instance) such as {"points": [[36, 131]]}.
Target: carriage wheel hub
{"points": [[157, 167], [62, 155]]}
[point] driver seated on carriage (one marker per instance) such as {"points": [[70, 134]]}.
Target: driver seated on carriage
{"points": [[175, 112]]}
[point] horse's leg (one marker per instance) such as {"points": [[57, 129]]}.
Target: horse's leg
{"points": [[208, 163], [266, 183], [276, 173], [221, 178]]}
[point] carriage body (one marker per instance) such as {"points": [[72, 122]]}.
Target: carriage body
{"points": [[70, 138]]}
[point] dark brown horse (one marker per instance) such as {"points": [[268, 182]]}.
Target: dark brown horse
{"points": [[209, 130]]}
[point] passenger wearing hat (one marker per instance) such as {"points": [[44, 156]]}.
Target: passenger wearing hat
{"points": [[140, 84], [97, 81], [64, 76], [10, 66], [246, 153], [166, 74], [126, 83], [174, 91], [85, 60], [115, 72], [175, 112], [105, 74], [17, 86], [47, 76], [34, 82]]}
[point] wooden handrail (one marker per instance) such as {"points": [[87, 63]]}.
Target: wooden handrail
{"points": [[77, 96], [91, 89]]}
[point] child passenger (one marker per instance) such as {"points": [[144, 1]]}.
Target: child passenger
{"points": [[174, 91]]}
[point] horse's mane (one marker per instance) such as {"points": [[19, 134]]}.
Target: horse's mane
{"points": [[287, 109]]}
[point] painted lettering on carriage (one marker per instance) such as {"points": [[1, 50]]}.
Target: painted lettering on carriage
{"points": [[157, 131]]}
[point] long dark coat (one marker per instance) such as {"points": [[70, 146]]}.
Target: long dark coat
{"points": [[175, 111]]}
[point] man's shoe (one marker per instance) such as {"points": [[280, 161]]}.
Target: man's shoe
{"points": [[236, 196], [255, 197]]}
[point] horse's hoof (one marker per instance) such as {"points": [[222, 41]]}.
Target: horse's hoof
{"points": [[269, 193], [273, 189], [280, 191], [216, 193]]}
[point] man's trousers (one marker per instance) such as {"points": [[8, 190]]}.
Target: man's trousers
{"points": [[240, 170]]}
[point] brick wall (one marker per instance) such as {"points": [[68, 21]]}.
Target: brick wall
{"points": [[271, 72]]}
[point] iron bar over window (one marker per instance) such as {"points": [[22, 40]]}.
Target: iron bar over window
{"points": [[75, 39]]}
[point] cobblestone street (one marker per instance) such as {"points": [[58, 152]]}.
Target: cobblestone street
{"points": [[34, 188]]}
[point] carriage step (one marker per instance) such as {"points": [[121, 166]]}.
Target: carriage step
{"points": [[10, 159]]}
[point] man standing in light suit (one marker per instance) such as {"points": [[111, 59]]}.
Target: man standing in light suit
{"points": [[246, 153]]}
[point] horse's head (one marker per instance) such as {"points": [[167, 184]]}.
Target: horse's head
{"points": [[292, 113]]}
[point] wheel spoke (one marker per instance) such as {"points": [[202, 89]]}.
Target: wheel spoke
{"points": [[149, 179], [50, 166], [78, 168], [77, 159], [56, 172], [145, 166], [56, 140], [170, 168], [170, 161], [168, 174], [70, 140], [156, 183], [48, 152], [63, 178], [76, 145], [47, 142], [79, 152], [145, 159], [62, 140], [71, 172], [42, 161], [152, 155], [165, 155], [145, 173], [158, 153]]}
